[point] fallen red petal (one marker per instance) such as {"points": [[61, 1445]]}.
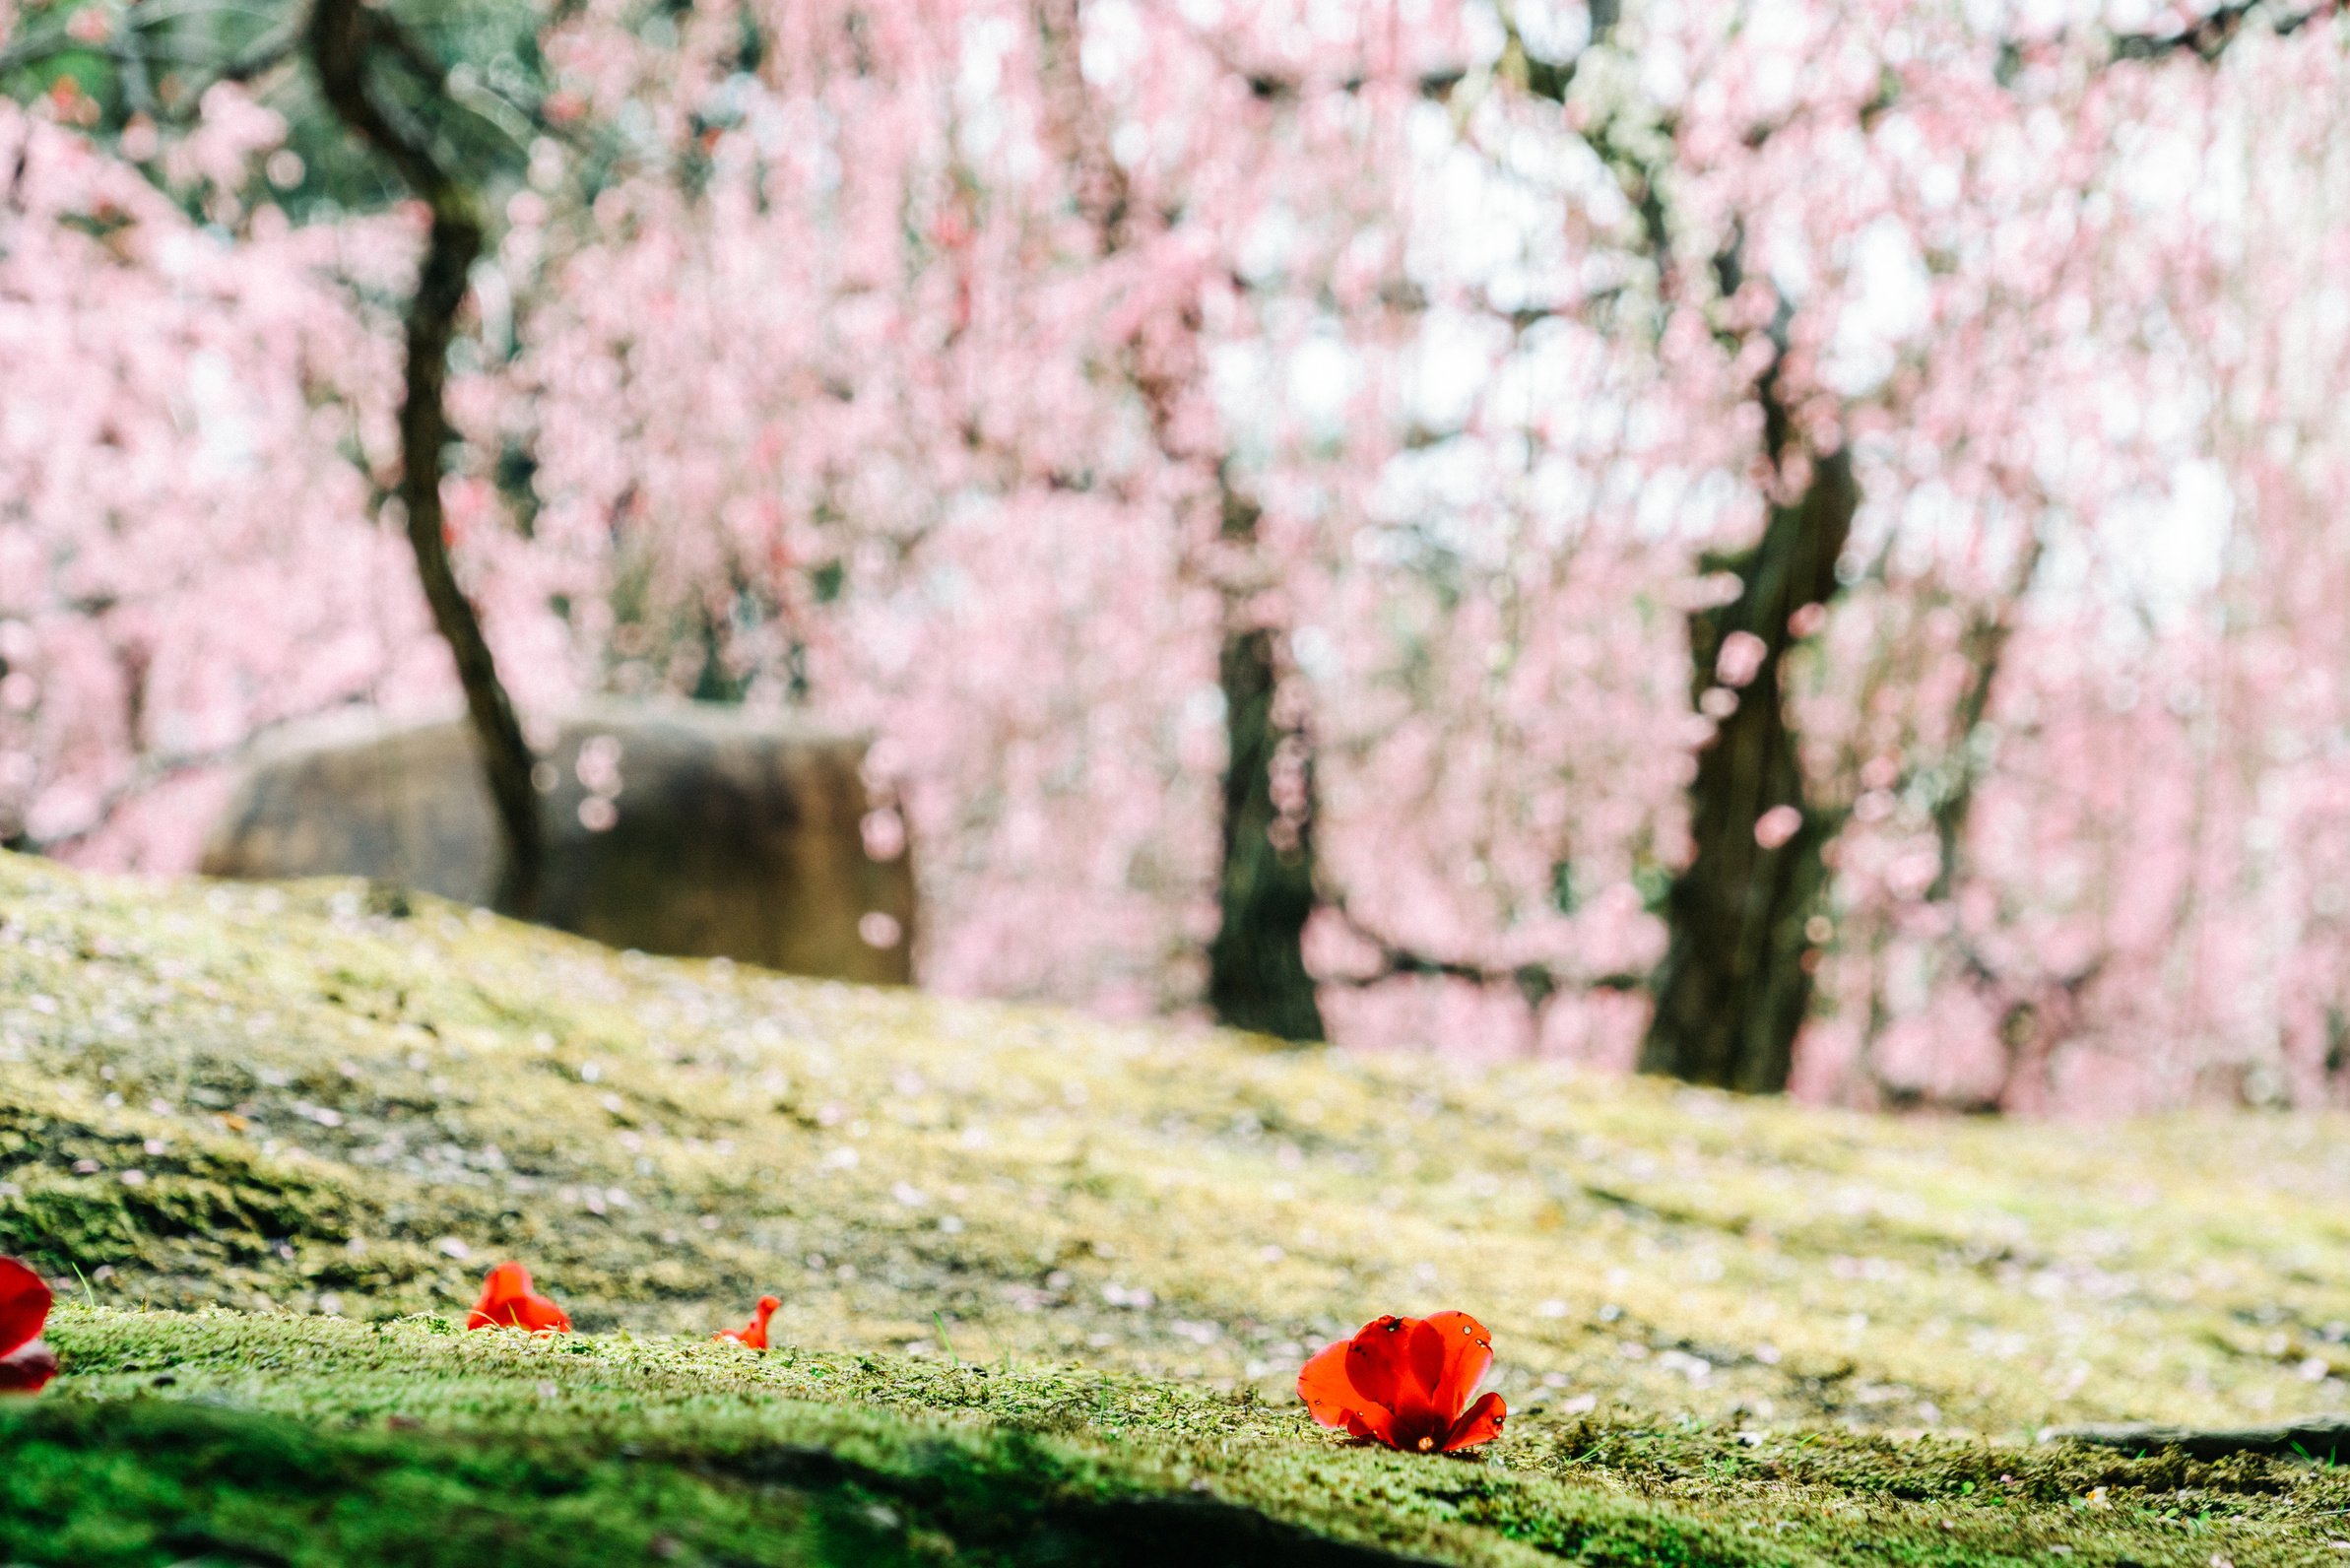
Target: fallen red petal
{"points": [[754, 1333], [24, 1305], [1329, 1393], [1467, 1353], [508, 1302], [541, 1316], [1481, 1423], [1379, 1362], [27, 1369]]}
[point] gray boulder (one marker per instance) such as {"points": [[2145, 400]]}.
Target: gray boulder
{"points": [[674, 830]]}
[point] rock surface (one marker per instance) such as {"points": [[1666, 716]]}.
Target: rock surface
{"points": [[689, 831]]}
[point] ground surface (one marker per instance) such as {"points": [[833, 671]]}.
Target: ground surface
{"points": [[1052, 1279]]}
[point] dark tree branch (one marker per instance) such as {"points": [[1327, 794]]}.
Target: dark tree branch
{"points": [[1985, 648], [1537, 983], [344, 38], [2208, 36]]}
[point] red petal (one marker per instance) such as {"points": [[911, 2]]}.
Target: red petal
{"points": [[1425, 1350], [23, 1304], [504, 1282], [1379, 1360], [1373, 1423], [508, 1301], [500, 1289], [1481, 1424], [1467, 1351], [27, 1368], [1324, 1387], [756, 1335], [541, 1316]]}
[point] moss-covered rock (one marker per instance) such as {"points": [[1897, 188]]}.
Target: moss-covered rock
{"points": [[1730, 1328]]}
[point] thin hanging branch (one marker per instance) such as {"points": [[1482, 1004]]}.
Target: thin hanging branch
{"points": [[345, 36], [1539, 984]]}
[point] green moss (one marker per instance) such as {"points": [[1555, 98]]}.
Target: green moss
{"points": [[318, 1440], [150, 1482], [1733, 1330]]}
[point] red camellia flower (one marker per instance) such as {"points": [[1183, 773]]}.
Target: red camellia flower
{"points": [[26, 1364], [754, 1333], [508, 1302], [1403, 1382]]}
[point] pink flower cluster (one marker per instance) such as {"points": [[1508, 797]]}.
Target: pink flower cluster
{"points": [[976, 371]]}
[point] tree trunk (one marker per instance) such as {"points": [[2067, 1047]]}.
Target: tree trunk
{"points": [[1257, 976], [341, 37], [507, 759], [1736, 979]]}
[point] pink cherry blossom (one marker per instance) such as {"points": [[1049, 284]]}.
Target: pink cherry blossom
{"points": [[900, 369]]}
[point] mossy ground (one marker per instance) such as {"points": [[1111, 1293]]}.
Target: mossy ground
{"points": [[317, 1440], [1734, 1332]]}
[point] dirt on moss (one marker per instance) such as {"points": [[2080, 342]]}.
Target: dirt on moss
{"points": [[327, 1100]]}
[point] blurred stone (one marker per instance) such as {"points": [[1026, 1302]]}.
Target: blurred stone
{"points": [[677, 829]]}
